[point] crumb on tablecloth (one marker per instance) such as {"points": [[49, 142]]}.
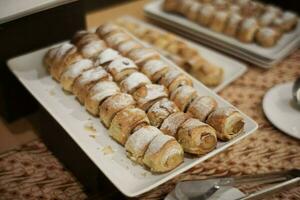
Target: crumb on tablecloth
{"points": [[107, 150]]}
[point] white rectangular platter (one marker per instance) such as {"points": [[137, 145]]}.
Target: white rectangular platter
{"points": [[110, 157], [279, 50], [232, 68]]}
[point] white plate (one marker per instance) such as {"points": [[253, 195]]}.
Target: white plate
{"points": [[130, 179], [278, 107], [154, 9], [232, 68]]}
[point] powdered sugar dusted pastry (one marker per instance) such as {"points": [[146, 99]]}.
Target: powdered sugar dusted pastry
{"points": [[121, 67], [185, 6], [163, 154], [107, 28], [193, 11], [127, 46], [113, 105], [172, 123], [183, 96], [267, 37], [142, 55], [148, 94], [208, 73], [267, 18], [227, 121], [79, 35], [206, 14], [201, 107], [106, 56], [159, 111], [82, 38], [133, 82], [247, 30], [196, 137], [73, 71], [219, 21], [155, 69], [115, 39], [174, 79], [125, 122], [92, 48], [59, 58], [171, 5], [88, 79], [98, 93], [232, 25], [290, 20], [138, 142]]}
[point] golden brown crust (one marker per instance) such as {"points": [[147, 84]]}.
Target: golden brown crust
{"points": [[159, 111], [113, 105], [148, 94], [197, 137], [172, 123], [227, 121], [202, 106], [125, 121], [183, 96]]}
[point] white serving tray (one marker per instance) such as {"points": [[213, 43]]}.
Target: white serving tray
{"points": [[154, 9], [232, 68], [261, 62], [129, 178]]}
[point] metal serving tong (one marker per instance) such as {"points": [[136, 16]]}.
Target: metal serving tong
{"points": [[204, 189]]}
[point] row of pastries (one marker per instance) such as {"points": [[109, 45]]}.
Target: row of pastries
{"points": [[177, 50], [147, 106], [246, 20]]}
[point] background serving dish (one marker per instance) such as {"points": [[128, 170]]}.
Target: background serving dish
{"points": [[285, 45], [232, 68], [91, 135]]}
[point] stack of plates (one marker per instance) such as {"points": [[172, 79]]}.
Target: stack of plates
{"points": [[261, 56]]}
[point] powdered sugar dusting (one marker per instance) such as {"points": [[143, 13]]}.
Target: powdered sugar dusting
{"points": [[154, 91], [127, 46], [120, 64], [153, 66], [77, 68], [158, 142], [93, 48], [106, 56], [134, 80], [92, 75]]}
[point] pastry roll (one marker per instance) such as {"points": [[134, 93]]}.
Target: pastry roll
{"points": [[185, 6], [290, 20], [82, 38], [88, 79], [208, 74], [147, 95], [174, 79], [128, 46], [58, 60], [79, 35], [125, 122], [196, 137], [220, 4], [113, 40], [106, 56], [164, 153], [150, 36], [172, 123], [183, 96], [112, 105], [234, 9], [201, 107], [227, 121], [232, 25], [73, 72], [106, 29], [206, 14], [121, 67], [133, 82], [142, 55], [247, 30], [92, 48], [155, 69], [171, 5], [267, 37], [266, 19], [219, 21], [175, 47], [98, 93], [252, 9], [138, 142], [159, 111]]}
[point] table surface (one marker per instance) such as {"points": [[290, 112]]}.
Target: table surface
{"points": [[267, 150]]}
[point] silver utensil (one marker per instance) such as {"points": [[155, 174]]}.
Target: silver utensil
{"points": [[203, 189], [296, 92]]}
